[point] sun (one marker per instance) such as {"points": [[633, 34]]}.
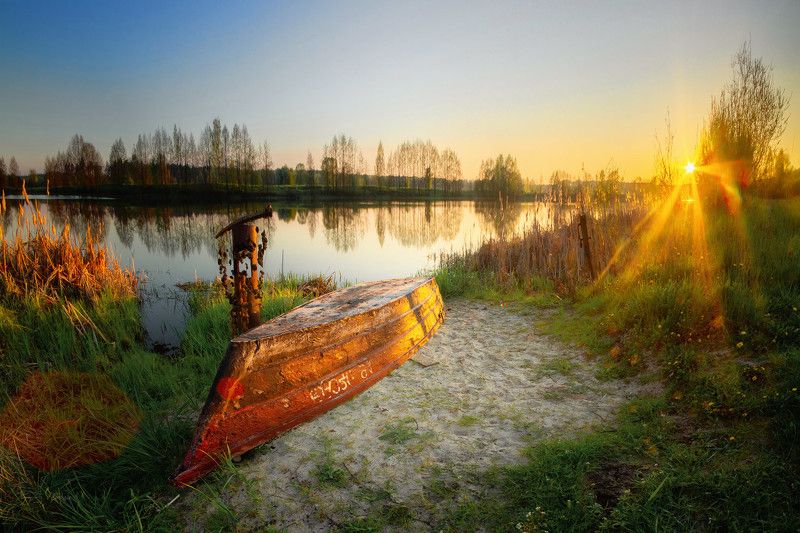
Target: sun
{"points": [[689, 168]]}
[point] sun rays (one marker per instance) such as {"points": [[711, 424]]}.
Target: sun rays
{"points": [[676, 230]]}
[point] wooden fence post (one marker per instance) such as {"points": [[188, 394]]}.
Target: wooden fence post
{"points": [[587, 249]]}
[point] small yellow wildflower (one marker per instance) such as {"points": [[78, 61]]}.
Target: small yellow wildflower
{"points": [[739, 344]]}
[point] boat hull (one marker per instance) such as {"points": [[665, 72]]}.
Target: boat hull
{"points": [[304, 363]]}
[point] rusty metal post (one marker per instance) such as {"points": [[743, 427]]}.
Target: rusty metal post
{"points": [[246, 298], [587, 249]]}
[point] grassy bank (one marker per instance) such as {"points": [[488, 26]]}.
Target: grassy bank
{"points": [[104, 421], [705, 299], [85, 347]]}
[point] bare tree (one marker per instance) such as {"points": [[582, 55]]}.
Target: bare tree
{"points": [[226, 146], [665, 163], [162, 146], [380, 164], [141, 159], [310, 168], [215, 138], [236, 153], [266, 161], [192, 154], [749, 117], [117, 163], [346, 158], [178, 151], [13, 168], [248, 155]]}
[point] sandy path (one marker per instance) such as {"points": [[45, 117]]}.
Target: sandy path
{"points": [[418, 436]]}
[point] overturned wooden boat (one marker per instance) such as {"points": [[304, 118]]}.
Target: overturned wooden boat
{"points": [[305, 362]]}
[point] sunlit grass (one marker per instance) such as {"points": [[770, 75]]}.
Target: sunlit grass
{"points": [[699, 292], [129, 492], [37, 261]]}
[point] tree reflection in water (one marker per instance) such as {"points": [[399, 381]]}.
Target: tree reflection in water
{"points": [[358, 241], [181, 231]]}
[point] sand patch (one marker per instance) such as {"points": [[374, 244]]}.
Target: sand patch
{"points": [[419, 436]]}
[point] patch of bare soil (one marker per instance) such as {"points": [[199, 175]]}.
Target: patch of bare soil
{"points": [[418, 437]]}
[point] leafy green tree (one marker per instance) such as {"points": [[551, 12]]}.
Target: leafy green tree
{"points": [[500, 175]]}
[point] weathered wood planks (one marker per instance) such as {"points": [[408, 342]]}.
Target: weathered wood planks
{"points": [[307, 361]]}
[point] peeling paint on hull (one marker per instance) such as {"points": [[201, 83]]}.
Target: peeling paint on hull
{"points": [[307, 361]]}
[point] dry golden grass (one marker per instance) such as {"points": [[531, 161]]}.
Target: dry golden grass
{"points": [[39, 261], [317, 286], [554, 250]]}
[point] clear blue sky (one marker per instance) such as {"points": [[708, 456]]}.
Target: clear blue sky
{"points": [[557, 84]]}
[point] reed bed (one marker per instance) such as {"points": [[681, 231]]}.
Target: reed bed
{"points": [[554, 249], [39, 261]]}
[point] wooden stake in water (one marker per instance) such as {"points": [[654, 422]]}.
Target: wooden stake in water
{"points": [[246, 311], [246, 256], [587, 249]]}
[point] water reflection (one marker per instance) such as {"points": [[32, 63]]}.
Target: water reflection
{"points": [[355, 241]]}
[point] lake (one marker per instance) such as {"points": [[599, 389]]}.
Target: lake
{"points": [[354, 241]]}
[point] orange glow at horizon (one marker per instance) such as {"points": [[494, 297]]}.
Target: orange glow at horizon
{"points": [[652, 235]]}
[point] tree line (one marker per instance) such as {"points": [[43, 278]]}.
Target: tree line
{"points": [[223, 157], [9, 175]]}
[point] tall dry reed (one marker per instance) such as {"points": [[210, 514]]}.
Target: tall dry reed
{"points": [[554, 249], [40, 261]]}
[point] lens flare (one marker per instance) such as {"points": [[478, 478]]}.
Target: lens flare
{"points": [[64, 419], [689, 168]]}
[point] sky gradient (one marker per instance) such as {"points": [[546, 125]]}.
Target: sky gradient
{"points": [[559, 85]]}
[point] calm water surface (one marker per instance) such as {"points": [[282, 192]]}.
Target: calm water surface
{"points": [[354, 241]]}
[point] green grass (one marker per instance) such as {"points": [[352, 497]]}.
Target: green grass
{"points": [[719, 450], [131, 491], [654, 471], [558, 366], [39, 336], [468, 420], [457, 280], [387, 515], [325, 471], [399, 432]]}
